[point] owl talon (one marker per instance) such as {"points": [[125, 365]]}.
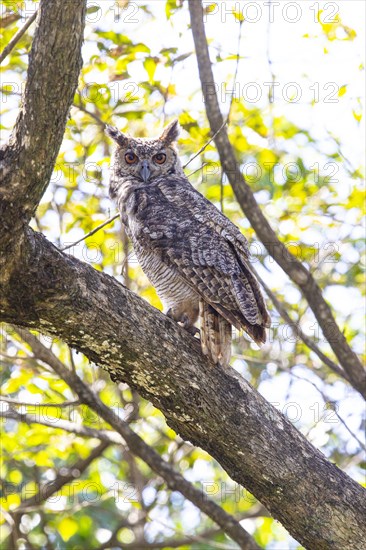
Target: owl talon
{"points": [[194, 330], [184, 320], [187, 324]]}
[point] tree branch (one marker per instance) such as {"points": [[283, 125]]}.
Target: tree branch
{"points": [[54, 65], [138, 447], [47, 490], [92, 232], [177, 543], [283, 311], [255, 512], [294, 269], [62, 479], [213, 408], [63, 405], [8, 48], [107, 436]]}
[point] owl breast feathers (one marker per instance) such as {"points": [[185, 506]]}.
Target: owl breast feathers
{"points": [[195, 257]]}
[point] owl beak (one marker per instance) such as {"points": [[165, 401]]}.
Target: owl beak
{"points": [[145, 171]]}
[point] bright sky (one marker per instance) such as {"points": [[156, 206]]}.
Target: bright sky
{"points": [[295, 59]]}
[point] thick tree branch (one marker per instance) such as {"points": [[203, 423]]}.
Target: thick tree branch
{"points": [[213, 408], [294, 269], [138, 447], [54, 65]]}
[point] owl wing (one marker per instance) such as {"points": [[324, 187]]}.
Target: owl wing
{"points": [[181, 193], [205, 249]]}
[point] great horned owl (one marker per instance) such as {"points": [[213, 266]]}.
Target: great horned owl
{"points": [[195, 257]]}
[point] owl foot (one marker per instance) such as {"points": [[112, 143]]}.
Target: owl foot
{"points": [[185, 321], [194, 330], [187, 324]]}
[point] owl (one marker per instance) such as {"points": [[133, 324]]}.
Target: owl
{"points": [[194, 256]]}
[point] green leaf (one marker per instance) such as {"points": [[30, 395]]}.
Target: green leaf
{"points": [[150, 64], [238, 16], [67, 528]]}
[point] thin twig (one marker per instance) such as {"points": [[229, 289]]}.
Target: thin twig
{"points": [[22, 404], [62, 479], [8, 48], [193, 538], [236, 71], [297, 330], [13, 358], [93, 115], [198, 169], [206, 144], [230, 109], [326, 400], [271, 133], [107, 436], [110, 220]]}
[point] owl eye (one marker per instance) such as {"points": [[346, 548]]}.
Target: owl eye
{"points": [[160, 158], [130, 158]]}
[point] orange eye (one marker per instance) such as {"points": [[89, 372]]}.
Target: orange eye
{"points": [[130, 158], [160, 158]]}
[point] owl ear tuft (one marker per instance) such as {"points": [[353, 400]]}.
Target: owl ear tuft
{"points": [[119, 137], [170, 133]]}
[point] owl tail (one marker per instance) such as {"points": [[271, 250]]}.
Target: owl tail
{"points": [[215, 335]]}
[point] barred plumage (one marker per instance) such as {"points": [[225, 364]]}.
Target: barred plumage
{"points": [[195, 257]]}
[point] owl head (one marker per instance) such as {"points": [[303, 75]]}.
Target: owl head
{"points": [[143, 160]]}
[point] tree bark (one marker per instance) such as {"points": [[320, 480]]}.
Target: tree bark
{"points": [[55, 61], [294, 269], [213, 408], [174, 480]]}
